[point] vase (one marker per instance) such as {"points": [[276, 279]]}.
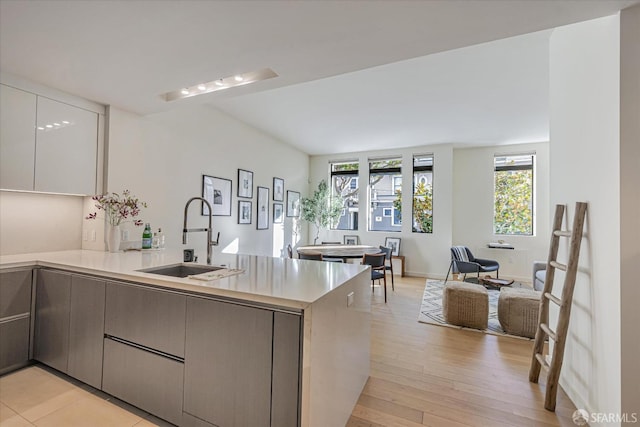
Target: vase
{"points": [[113, 238]]}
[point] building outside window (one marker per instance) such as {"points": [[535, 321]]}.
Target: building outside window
{"points": [[385, 190], [513, 194], [344, 183], [422, 194]]}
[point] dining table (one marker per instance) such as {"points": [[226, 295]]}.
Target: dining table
{"points": [[344, 252]]}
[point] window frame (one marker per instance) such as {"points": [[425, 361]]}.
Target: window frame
{"points": [[393, 172], [416, 170], [354, 174], [516, 167]]}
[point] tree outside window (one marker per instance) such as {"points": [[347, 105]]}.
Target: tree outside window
{"points": [[385, 185], [344, 183], [513, 195], [422, 194]]}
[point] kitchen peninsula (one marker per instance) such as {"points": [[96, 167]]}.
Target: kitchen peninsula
{"points": [[284, 342]]}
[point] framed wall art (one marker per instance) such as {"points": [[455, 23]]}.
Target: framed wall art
{"points": [[244, 212], [216, 191], [245, 184], [293, 203], [350, 240], [278, 213], [263, 208], [278, 189], [394, 244]]}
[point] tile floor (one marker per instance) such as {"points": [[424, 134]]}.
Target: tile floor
{"points": [[38, 396]]}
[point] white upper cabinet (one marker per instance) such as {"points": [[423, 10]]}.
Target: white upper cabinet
{"points": [[66, 148], [49, 141], [17, 138]]}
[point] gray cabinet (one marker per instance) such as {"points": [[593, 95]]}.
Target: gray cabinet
{"points": [[147, 380], [228, 363], [53, 298], [287, 354], [15, 319], [86, 329], [151, 318], [69, 325]]}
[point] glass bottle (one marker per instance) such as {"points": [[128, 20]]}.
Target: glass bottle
{"points": [[147, 237], [160, 238]]}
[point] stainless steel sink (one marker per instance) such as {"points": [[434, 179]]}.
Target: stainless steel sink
{"points": [[181, 270]]}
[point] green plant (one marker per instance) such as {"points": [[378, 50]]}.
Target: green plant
{"points": [[322, 209], [422, 207]]}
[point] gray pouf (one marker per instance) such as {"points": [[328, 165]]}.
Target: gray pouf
{"points": [[518, 311], [465, 304]]}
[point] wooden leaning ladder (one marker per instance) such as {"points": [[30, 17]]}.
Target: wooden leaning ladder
{"points": [[560, 334]]}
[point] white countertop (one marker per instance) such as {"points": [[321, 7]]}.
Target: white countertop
{"points": [[284, 282]]}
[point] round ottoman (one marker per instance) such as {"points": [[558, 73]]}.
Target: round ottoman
{"points": [[518, 311], [465, 304]]}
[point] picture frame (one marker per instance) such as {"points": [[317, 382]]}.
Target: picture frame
{"points": [[244, 212], [351, 240], [278, 189], [245, 184], [293, 203], [262, 209], [394, 244], [216, 191], [278, 213]]}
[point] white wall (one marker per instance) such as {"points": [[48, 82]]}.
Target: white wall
{"points": [[473, 188], [630, 206], [585, 166], [33, 222], [161, 158]]}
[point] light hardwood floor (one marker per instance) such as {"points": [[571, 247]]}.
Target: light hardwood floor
{"points": [[420, 375], [431, 375]]}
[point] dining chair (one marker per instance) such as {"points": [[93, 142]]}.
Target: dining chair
{"points": [[289, 250], [331, 243], [314, 256], [389, 267], [378, 270]]}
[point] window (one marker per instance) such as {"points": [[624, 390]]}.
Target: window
{"points": [[385, 186], [513, 194], [344, 183], [422, 194]]}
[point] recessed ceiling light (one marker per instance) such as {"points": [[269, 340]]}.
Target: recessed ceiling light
{"points": [[56, 124], [40, 128], [220, 84], [65, 122], [49, 126]]}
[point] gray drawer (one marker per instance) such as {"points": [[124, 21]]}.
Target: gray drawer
{"points": [[146, 380], [15, 293], [147, 317], [14, 344]]}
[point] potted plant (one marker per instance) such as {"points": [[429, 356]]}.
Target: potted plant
{"points": [[117, 209], [322, 209]]}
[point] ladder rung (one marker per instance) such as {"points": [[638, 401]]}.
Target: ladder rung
{"points": [[540, 358], [559, 266], [548, 331], [553, 298], [561, 233]]}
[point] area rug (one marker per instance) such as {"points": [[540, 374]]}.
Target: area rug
{"points": [[431, 309]]}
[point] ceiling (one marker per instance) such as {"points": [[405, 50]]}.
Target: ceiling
{"points": [[353, 75]]}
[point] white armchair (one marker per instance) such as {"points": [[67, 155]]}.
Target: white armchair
{"points": [[539, 273]]}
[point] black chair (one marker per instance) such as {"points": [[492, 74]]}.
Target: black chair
{"points": [[331, 243], [378, 270], [314, 256], [289, 250], [387, 252], [464, 262]]}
